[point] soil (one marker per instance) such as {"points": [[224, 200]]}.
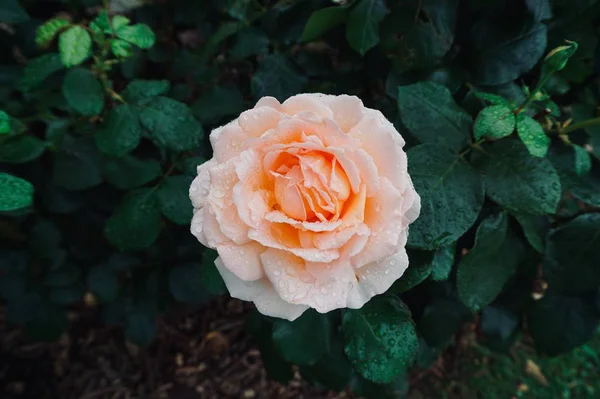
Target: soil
{"points": [[202, 353]]}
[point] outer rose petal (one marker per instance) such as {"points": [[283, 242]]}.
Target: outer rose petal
{"points": [[243, 260], [201, 184], [376, 278], [347, 110], [255, 122], [295, 285], [303, 103], [261, 292], [268, 101], [211, 232]]}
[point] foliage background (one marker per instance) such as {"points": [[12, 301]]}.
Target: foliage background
{"points": [[103, 122]]}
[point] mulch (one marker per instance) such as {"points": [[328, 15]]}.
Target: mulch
{"points": [[200, 353]]}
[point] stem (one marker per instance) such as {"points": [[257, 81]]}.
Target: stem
{"points": [[580, 125], [531, 95]]}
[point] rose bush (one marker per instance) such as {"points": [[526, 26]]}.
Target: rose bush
{"points": [[308, 204]]}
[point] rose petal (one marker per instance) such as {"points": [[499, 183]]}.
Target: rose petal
{"points": [[268, 101], [295, 285], [201, 184], [243, 260], [255, 122], [280, 217], [303, 103], [211, 232], [261, 292], [347, 110], [267, 239], [376, 278], [228, 143], [384, 217]]}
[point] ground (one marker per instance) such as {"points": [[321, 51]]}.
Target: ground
{"points": [[206, 354]]}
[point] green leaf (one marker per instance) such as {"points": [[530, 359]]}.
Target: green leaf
{"points": [[443, 260], [583, 160], [499, 327], [139, 92], [250, 41], [381, 341], [120, 133], [243, 10], [332, 371], [276, 76], [321, 21], [493, 99], [186, 284], [212, 44], [121, 48], [15, 193], [557, 58], [75, 45], [44, 239], [5, 123], [77, 165], [139, 34], [212, 282], [189, 166], [12, 12], [304, 340], [38, 69], [136, 222], [21, 149], [451, 196], [119, 21], [103, 282], [532, 135], [171, 124], [217, 102], [174, 200], [362, 27], [584, 188], [101, 23], [46, 32], [429, 112], [535, 229], [484, 271], [494, 122], [561, 323], [518, 181], [499, 55], [83, 91], [441, 319], [421, 263], [129, 172], [572, 257]]}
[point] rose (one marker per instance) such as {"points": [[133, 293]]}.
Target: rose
{"points": [[308, 204]]}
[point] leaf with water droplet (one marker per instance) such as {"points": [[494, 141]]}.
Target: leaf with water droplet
{"points": [[532, 135], [494, 122], [381, 340]]}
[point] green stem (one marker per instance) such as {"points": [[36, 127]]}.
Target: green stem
{"points": [[531, 95], [579, 125]]}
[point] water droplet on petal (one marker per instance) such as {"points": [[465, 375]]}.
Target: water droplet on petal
{"points": [[276, 273]]}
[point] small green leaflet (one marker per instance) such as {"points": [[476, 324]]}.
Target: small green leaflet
{"points": [[494, 122], [120, 133], [362, 27], [74, 45], [15, 193], [321, 21], [532, 135], [583, 160], [139, 92], [83, 91], [174, 200], [46, 32]]}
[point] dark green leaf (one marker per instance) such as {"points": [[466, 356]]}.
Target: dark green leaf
{"points": [[121, 48], [139, 92], [63, 276], [83, 92], [212, 282], [186, 283], [212, 44], [120, 133], [441, 319], [243, 10], [583, 160], [66, 295], [443, 260], [174, 200], [493, 99], [140, 328], [277, 77], [420, 263], [484, 271], [429, 112], [535, 229], [44, 239], [38, 69], [451, 196], [572, 257], [304, 340], [518, 181], [136, 223], [20, 149], [103, 282], [171, 124], [15, 193], [75, 45], [129, 172], [585, 188], [321, 21], [332, 371], [560, 323], [381, 341], [249, 41], [5, 123], [532, 135], [499, 327], [217, 102], [12, 12], [495, 122], [362, 28], [77, 165]]}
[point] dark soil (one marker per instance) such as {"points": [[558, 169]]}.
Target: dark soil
{"points": [[203, 353]]}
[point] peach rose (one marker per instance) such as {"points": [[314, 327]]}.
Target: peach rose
{"points": [[307, 203]]}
